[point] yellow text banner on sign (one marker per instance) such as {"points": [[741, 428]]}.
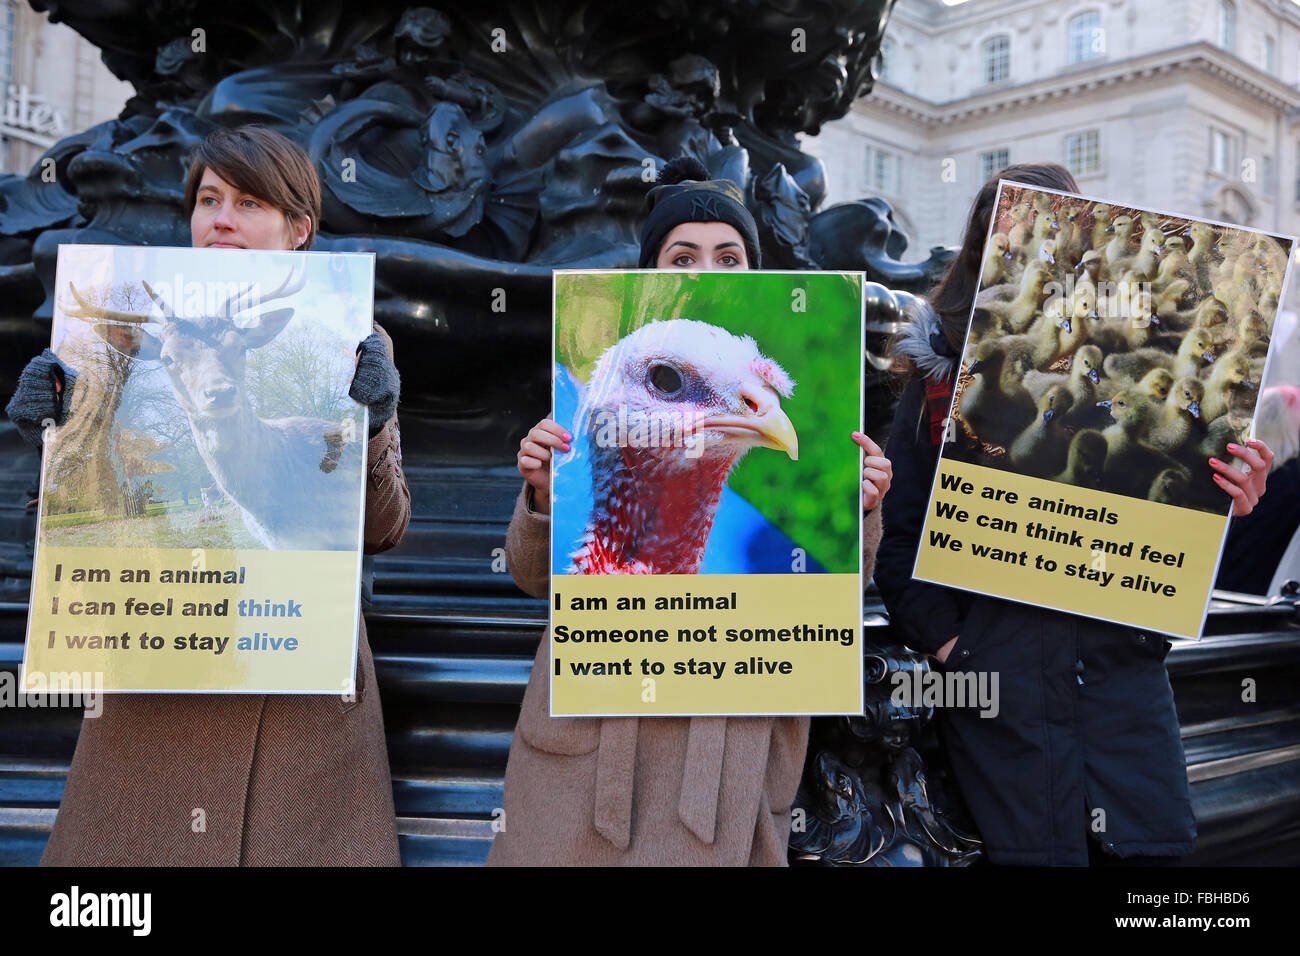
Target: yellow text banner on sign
{"points": [[1106, 556], [156, 619], [638, 645]]}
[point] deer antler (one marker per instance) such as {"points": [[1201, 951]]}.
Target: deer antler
{"points": [[89, 312], [291, 285], [167, 312]]}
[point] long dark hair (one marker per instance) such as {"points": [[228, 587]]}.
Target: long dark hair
{"points": [[952, 297]]}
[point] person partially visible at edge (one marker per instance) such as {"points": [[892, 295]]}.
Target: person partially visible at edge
{"points": [[274, 780], [660, 790], [1083, 762]]}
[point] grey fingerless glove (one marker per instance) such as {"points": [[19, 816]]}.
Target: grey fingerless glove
{"points": [[376, 384], [35, 401]]}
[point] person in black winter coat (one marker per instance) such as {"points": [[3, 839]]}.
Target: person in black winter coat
{"points": [[1083, 760]]}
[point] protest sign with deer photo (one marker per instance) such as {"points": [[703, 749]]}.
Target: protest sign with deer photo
{"points": [[202, 505]]}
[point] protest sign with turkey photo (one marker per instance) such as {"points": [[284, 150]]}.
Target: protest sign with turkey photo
{"points": [[706, 522]]}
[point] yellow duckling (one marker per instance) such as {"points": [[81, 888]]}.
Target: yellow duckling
{"points": [[1210, 314], [1045, 226], [1040, 449], [1044, 343], [1016, 314], [1101, 216], [1133, 328], [995, 260], [1170, 486], [1019, 230], [1230, 372], [1176, 265], [1069, 238], [1116, 251], [995, 406], [1047, 251], [1082, 381], [1130, 464], [1086, 460], [1145, 263], [1203, 254], [1170, 424], [1194, 352]]}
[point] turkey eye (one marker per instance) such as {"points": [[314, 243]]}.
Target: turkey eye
{"points": [[666, 379]]}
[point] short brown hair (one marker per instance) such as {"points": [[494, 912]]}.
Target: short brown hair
{"points": [[262, 163]]}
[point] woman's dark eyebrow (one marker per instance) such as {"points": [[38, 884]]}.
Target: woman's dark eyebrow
{"points": [[729, 244], [683, 242]]}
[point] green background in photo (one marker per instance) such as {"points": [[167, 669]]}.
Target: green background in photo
{"points": [[816, 500]]}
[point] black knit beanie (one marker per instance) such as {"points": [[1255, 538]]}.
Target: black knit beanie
{"points": [[686, 194]]}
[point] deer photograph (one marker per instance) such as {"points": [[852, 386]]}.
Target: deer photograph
{"points": [[209, 413]]}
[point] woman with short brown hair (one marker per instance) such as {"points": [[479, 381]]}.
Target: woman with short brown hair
{"points": [[242, 779]]}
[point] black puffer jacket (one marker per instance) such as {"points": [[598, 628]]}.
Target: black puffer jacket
{"points": [[1086, 721]]}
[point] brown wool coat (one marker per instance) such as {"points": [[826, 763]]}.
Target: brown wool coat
{"points": [[281, 780], [658, 791]]}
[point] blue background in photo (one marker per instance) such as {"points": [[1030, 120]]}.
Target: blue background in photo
{"points": [[742, 540]]}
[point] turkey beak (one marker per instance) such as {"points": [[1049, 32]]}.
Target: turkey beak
{"points": [[766, 425], [775, 430]]}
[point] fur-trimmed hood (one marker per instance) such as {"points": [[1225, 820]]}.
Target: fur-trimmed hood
{"points": [[923, 343]]}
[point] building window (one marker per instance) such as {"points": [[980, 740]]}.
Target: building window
{"points": [[885, 61], [1083, 152], [993, 161], [997, 59], [1270, 55], [1228, 25], [1086, 39], [1220, 152], [882, 171]]}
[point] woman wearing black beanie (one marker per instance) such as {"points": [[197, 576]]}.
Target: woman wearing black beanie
{"points": [[666, 791]]}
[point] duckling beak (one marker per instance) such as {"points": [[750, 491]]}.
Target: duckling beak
{"points": [[1047, 416], [1105, 404], [1008, 254], [1050, 258], [1094, 376], [1249, 384], [976, 367], [1155, 319], [1110, 228], [1065, 324], [1195, 409], [1208, 356]]}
